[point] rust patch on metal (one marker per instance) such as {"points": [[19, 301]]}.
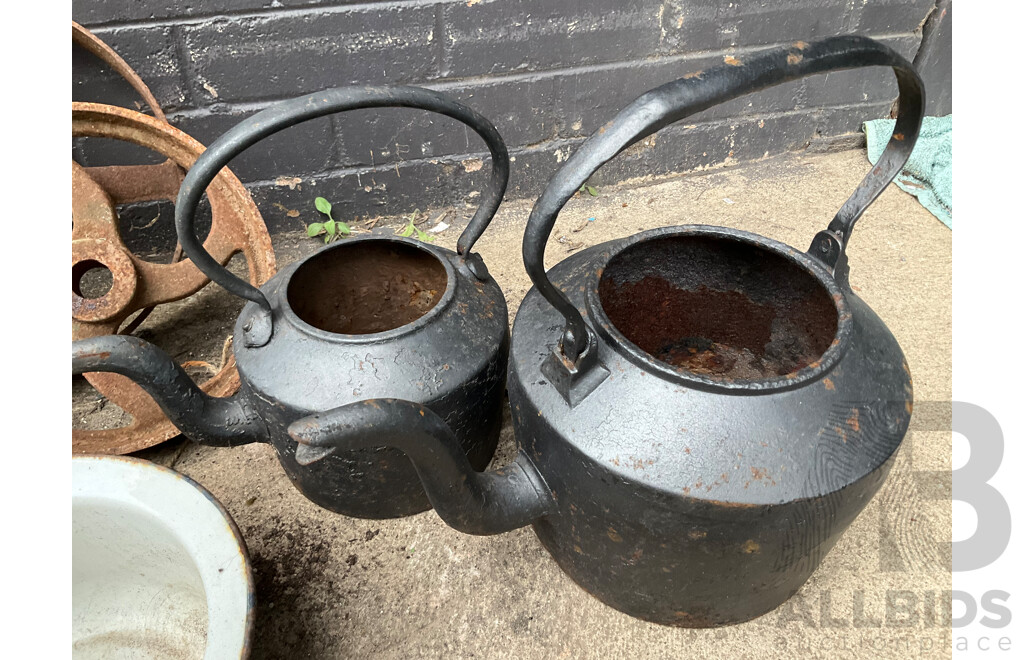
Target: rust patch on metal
{"points": [[733, 505], [751, 547], [640, 463], [718, 333], [732, 61], [690, 76], [613, 535], [794, 58], [853, 421], [829, 385], [102, 355], [898, 137], [703, 619]]}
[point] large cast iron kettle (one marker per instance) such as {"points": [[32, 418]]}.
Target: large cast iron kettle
{"points": [[362, 318], [701, 411]]}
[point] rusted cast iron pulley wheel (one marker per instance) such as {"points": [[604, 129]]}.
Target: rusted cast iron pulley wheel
{"points": [[138, 284]]}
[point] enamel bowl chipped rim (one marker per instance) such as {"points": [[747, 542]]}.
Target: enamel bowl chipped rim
{"points": [[159, 568]]}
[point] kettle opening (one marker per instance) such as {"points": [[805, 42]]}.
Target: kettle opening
{"points": [[718, 307], [367, 286]]}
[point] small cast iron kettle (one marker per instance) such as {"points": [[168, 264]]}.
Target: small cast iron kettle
{"points": [[362, 318], [700, 411]]}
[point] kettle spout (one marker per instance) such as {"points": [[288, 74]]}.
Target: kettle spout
{"points": [[220, 422], [472, 502]]}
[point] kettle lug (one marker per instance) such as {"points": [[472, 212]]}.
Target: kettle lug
{"points": [[575, 380], [829, 249], [475, 265], [258, 328]]}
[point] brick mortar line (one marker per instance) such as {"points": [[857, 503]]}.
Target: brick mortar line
{"points": [[929, 25], [440, 20], [547, 145], [186, 74], [440, 85], [852, 16], [265, 12], [478, 82]]}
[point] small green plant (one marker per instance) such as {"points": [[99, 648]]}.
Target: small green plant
{"points": [[589, 189], [332, 229], [410, 228]]}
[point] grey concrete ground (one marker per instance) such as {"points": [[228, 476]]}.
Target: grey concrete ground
{"points": [[331, 587]]}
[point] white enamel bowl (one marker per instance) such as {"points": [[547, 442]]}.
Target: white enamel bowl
{"points": [[159, 569]]}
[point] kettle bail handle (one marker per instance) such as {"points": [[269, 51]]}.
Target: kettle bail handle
{"points": [[693, 93], [284, 114]]}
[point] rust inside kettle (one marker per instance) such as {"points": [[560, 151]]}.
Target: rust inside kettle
{"points": [[367, 287], [718, 308]]}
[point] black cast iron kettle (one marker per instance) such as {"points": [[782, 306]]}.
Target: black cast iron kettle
{"points": [[700, 411], [363, 318]]}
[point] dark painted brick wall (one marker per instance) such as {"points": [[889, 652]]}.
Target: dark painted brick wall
{"points": [[546, 72]]}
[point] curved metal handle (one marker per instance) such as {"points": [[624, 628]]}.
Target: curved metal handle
{"points": [[676, 100], [288, 113]]}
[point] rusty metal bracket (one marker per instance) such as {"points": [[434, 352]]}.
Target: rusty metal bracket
{"points": [[138, 284]]}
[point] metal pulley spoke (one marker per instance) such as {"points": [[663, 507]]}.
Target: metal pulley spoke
{"points": [[127, 184], [93, 214]]}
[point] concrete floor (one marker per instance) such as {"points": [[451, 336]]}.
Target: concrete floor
{"points": [[332, 587]]}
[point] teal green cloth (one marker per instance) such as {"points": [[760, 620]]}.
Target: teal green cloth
{"points": [[928, 175]]}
